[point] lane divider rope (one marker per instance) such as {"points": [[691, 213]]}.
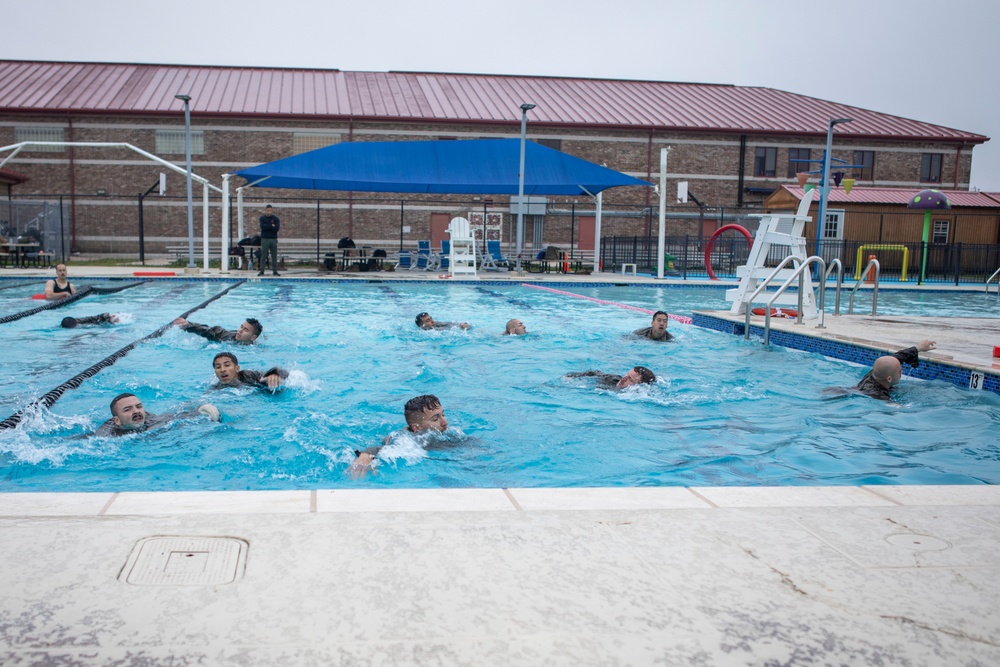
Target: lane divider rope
{"points": [[49, 398], [80, 293], [683, 319]]}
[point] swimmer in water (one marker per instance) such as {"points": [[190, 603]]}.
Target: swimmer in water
{"points": [[425, 321], [638, 375], [246, 334], [657, 330], [422, 413], [103, 318], [515, 328], [227, 370], [129, 416]]}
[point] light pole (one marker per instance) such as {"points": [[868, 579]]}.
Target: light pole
{"points": [[187, 154], [824, 192], [525, 108]]}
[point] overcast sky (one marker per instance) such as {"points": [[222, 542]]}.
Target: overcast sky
{"points": [[936, 62]]}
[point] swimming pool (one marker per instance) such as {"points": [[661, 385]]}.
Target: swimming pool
{"points": [[724, 412]]}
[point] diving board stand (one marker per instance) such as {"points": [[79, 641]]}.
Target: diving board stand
{"points": [[780, 230]]}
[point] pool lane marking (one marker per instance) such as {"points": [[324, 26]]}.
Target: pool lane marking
{"points": [[80, 293], [683, 319], [48, 399]]}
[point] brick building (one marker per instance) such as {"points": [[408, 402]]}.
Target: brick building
{"points": [[733, 145]]}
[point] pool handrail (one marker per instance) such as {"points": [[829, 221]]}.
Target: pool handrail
{"points": [[990, 279], [872, 263], [835, 262], [798, 272]]}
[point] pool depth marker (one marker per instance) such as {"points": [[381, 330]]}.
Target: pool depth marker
{"points": [[49, 399], [678, 318]]}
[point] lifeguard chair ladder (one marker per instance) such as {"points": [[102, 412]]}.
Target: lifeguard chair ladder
{"points": [[775, 230]]}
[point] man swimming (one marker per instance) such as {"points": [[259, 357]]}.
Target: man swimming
{"points": [[103, 318], [638, 375], [422, 413], [227, 370], [60, 288], [247, 333], [129, 416], [657, 329], [887, 371], [425, 321], [515, 328]]}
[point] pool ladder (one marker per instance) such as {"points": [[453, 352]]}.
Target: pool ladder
{"points": [[872, 265], [990, 279], [799, 273]]}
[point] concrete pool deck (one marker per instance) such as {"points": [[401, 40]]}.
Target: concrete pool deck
{"points": [[869, 575]]}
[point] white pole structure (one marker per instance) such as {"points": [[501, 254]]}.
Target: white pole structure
{"points": [[187, 154], [204, 230], [239, 214], [525, 108], [661, 239], [824, 192], [224, 265], [597, 232]]}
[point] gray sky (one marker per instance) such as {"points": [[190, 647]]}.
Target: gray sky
{"points": [[931, 61]]}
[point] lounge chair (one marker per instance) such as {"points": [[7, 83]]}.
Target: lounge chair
{"points": [[425, 260], [405, 261], [445, 263], [494, 260]]}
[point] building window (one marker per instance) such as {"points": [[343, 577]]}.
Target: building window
{"points": [[940, 231], [40, 134], [170, 142], [554, 144], [303, 142], [795, 167], [765, 161], [866, 169], [930, 168]]}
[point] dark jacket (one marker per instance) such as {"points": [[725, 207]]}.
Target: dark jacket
{"points": [[647, 332], [269, 226], [218, 334], [109, 428], [256, 378], [870, 387]]}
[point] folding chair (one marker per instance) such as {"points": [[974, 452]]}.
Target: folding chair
{"points": [[405, 261], [494, 260], [425, 260], [445, 258]]}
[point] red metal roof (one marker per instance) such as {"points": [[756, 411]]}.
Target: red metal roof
{"points": [[866, 195], [150, 89], [12, 177]]}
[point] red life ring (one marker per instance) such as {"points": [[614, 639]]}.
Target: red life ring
{"points": [[443, 276], [708, 248], [37, 296], [777, 312]]}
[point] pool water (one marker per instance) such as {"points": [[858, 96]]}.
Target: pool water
{"points": [[723, 412]]}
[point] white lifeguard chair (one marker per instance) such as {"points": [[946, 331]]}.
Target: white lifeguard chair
{"points": [[462, 258], [776, 230]]}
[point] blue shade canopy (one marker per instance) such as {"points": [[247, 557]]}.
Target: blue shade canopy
{"points": [[482, 166]]}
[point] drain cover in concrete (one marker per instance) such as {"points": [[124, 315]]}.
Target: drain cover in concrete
{"points": [[917, 542], [185, 561]]}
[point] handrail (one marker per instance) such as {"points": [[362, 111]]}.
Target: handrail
{"points": [[800, 273], [871, 263], [990, 279], [835, 262], [761, 288]]}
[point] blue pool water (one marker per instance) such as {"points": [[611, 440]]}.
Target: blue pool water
{"points": [[724, 412]]}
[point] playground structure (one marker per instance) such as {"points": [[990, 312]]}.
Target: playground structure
{"points": [[882, 246]]}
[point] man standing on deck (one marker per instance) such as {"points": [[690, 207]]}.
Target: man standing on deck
{"points": [[887, 371], [269, 226]]}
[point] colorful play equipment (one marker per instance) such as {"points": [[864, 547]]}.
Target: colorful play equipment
{"points": [[708, 248], [881, 246], [927, 201]]}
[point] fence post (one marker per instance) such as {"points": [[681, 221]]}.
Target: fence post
{"points": [[958, 261], [685, 276]]}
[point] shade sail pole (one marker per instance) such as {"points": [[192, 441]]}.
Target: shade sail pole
{"points": [[597, 232], [661, 239]]}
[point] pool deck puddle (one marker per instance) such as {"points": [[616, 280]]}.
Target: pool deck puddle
{"points": [[868, 575]]}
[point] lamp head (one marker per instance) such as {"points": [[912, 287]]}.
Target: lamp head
{"points": [[527, 107], [183, 98], [838, 121]]}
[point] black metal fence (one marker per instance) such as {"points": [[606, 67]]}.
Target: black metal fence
{"points": [[954, 263]]}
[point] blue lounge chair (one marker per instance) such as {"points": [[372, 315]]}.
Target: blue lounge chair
{"points": [[445, 257], [494, 260], [425, 260], [405, 261]]}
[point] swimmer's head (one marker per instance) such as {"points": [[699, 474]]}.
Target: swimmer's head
{"points": [[425, 413], [69, 322], [638, 375], [887, 371], [515, 327], [425, 321], [249, 331], [127, 412], [659, 323], [227, 367]]}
